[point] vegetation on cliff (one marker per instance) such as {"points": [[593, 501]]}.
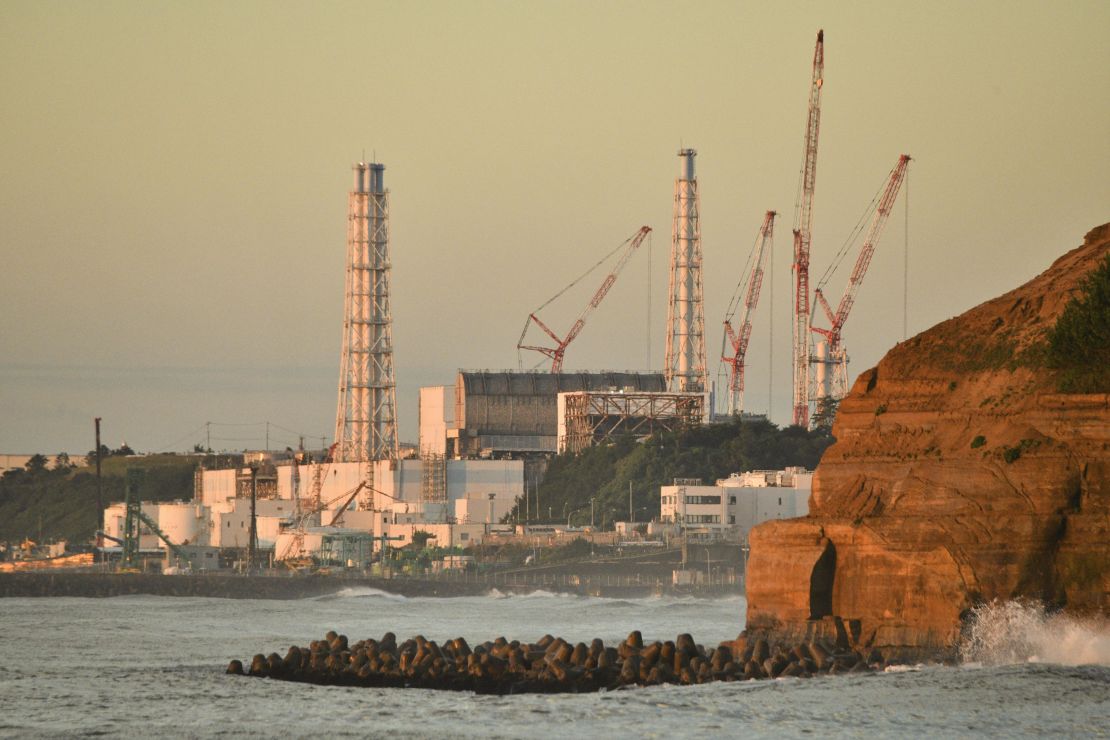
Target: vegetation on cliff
{"points": [[48, 504], [1079, 344], [604, 473]]}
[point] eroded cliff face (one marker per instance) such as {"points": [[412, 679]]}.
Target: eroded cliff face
{"points": [[959, 475]]}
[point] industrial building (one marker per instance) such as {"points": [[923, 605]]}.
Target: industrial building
{"points": [[730, 508], [510, 414]]}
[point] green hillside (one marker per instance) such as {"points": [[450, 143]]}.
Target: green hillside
{"points": [[708, 452], [47, 505]]}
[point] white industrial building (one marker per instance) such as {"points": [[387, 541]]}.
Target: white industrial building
{"points": [[322, 498], [730, 508]]}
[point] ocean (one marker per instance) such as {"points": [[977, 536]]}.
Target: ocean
{"points": [[141, 666]]}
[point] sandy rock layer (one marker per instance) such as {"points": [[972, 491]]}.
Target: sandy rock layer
{"points": [[959, 475]]}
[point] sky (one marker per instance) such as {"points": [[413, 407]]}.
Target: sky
{"points": [[175, 177]]}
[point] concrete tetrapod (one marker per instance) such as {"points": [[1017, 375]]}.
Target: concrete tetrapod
{"points": [[548, 665]]}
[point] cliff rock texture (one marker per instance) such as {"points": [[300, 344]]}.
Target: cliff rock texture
{"points": [[960, 474]]}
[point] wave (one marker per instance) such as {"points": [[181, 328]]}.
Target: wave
{"points": [[1012, 632], [363, 592], [494, 593]]}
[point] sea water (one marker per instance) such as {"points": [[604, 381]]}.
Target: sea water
{"points": [[138, 666]]}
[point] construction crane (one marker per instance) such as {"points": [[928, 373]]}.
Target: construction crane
{"points": [[738, 340], [300, 521], [556, 353], [803, 223], [830, 352]]}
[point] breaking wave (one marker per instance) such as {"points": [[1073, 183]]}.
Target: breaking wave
{"points": [[1012, 632], [362, 592], [494, 593]]}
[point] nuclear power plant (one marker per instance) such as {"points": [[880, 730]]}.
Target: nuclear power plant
{"points": [[485, 436]]}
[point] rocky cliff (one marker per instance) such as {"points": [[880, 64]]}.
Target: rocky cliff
{"points": [[959, 474]]}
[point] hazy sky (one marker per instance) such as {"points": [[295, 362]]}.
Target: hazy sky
{"points": [[175, 177]]}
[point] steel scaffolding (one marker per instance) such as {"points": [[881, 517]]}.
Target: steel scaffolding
{"points": [[592, 417]]}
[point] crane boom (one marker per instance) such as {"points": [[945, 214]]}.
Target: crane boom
{"points": [[803, 223], [739, 340], [863, 261], [556, 353]]}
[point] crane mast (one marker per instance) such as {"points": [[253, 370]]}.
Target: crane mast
{"points": [[833, 353], [556, 353], [738, 341], [803, 223]]}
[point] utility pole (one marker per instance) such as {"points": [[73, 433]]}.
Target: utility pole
{"points": [[252, 546], [631, 516], [591, 513], [99, 495]]}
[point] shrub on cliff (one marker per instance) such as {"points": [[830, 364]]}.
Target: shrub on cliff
{"points": [[1079, 344]]}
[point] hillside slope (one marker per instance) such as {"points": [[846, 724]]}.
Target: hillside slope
{"points": [[960, 474]]}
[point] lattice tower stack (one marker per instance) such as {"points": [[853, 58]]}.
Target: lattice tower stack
{"points": [[685, 367], [366, 420]]}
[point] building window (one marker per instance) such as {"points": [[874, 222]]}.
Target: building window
{"points": [[780, 500], [732, 499], [703, 499], [464, 536]]}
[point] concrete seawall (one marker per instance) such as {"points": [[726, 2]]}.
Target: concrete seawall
{"points": [[84, 584]]}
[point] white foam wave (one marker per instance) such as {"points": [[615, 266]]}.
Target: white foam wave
{"points": [[494, 593], [1007, 633], [360, 592]]}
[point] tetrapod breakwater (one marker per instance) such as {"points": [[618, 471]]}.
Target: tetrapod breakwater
{"points": [[548, 665]]}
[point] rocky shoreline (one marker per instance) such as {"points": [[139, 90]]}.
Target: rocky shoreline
{"points": [[549, 665]]}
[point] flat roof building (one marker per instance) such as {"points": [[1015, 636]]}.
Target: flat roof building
{"points": [[730, 508]]}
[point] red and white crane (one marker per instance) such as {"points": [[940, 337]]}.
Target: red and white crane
{"points": [[803, 223], [738, 339], [832, 353], [556, 353]]}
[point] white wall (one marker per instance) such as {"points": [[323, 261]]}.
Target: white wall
{"points": [[437, 414], [474, 508], [217, 486], [502, 477]]}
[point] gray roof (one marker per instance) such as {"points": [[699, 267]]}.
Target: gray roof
{"points": [[524, 383]]}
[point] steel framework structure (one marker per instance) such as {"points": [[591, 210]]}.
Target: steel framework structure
{"points": [[592, 417], [803, 224], [685, 367], [738, 340], [366, 422]]}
